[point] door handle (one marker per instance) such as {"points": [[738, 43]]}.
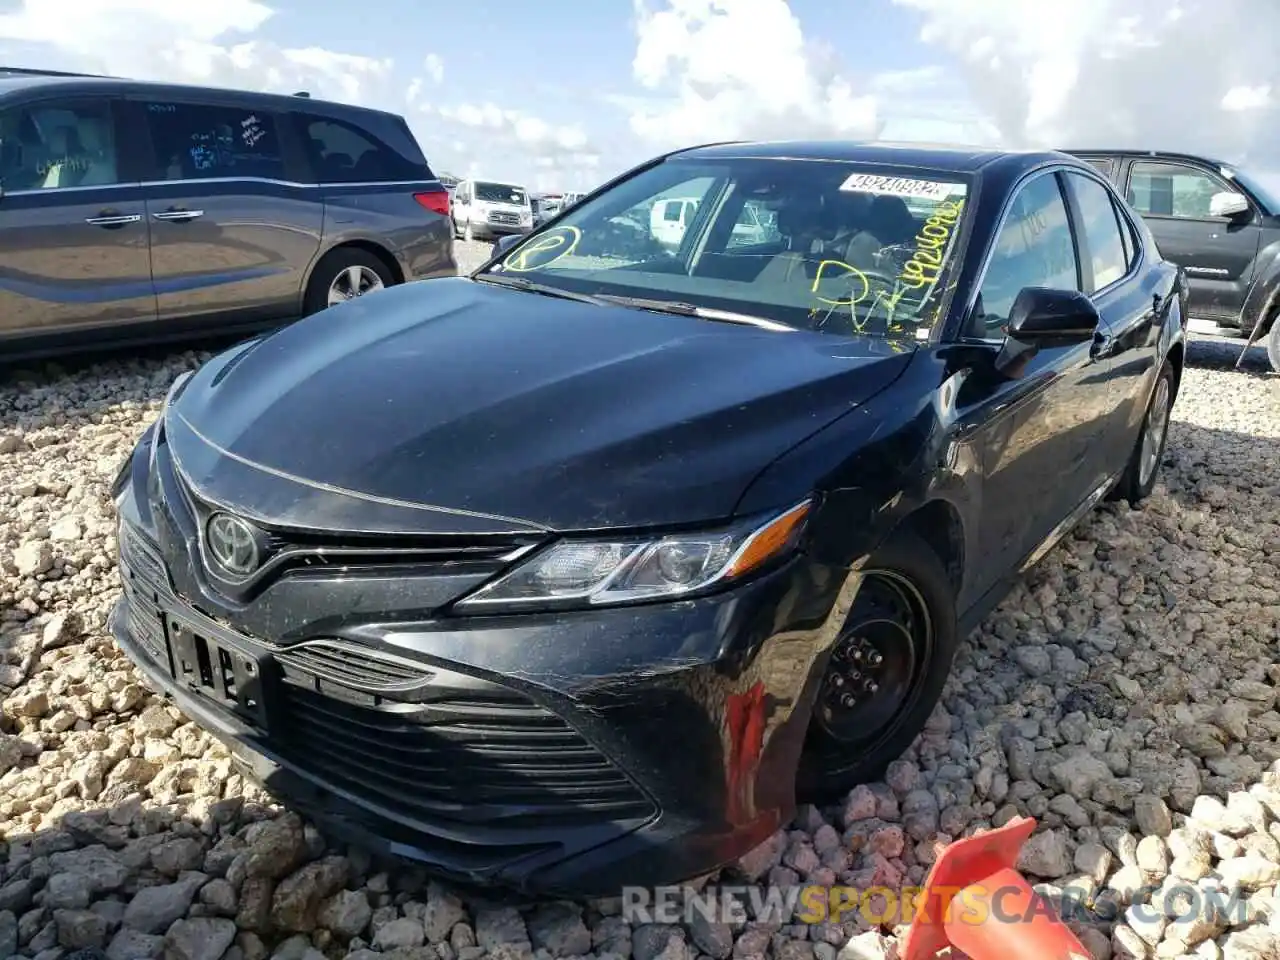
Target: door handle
{"points": [[113, 220], [178, 214]]}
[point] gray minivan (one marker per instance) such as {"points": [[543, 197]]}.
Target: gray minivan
{"points": [[134, 211]]}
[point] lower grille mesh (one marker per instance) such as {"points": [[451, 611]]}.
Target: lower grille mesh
{"points": [[505, 761]]}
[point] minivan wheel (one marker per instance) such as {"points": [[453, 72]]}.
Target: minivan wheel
{"points": [[1273, 345], [885, 674], [1140, 474], [344, 274]]}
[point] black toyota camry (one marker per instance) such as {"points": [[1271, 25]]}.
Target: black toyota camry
{"points": [[584, 569]]}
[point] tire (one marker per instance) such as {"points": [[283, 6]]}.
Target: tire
{"points": [[1140, 474], [834, 759], [333, 265], [1273, 345]]}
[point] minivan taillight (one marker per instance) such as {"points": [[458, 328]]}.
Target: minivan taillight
{"points": [[437, 201]]}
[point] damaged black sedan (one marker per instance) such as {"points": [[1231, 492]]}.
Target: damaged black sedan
{"points": [[583, 570]]}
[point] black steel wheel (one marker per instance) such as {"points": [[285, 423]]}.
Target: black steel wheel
{"points": [[870, 677], [885, 673]]}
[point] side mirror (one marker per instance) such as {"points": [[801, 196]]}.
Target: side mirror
{"points": [[1044, 318], [503, 244], [1228, 204]]}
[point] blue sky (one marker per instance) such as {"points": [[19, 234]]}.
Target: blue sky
{"points": [[566, 93]]}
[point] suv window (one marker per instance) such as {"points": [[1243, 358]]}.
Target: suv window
{"points": [[198, 141], [1033, 249], [58, 144], [342, 153], [1105, 165], [1101, 231], [1172, 190]]}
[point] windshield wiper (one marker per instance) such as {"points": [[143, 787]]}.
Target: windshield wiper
{"points": [[520, 283], [693, 310]]}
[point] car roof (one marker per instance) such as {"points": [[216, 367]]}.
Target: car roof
{"points": [[955, 157], [73, 83]]}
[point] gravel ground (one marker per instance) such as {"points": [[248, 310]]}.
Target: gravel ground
{"points": [[1125, 695]]}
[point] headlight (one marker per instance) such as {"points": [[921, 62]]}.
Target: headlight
{"points": [[603, 572]]}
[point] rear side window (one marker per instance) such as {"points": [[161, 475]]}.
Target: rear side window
{"points": [[1102, 231], [200, 141], [343, 153], [55, 145]]}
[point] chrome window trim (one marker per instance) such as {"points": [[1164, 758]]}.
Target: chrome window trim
{"points": [[202, 180]]}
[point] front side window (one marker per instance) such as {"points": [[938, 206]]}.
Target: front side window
{"points": [[1101, 231], [198, 141], [829, 246], [1034, 248], [1173, 190], [500, 193], [52, 145]]}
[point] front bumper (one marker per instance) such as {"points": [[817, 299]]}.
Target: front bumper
{"points": [[489, 229], [569, 755]]}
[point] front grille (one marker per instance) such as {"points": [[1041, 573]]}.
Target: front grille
{"points": [[349, 663], [145, 628], [500, 760], [140, 561], [499, 217]]}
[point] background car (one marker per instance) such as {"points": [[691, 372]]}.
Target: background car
{"points": [[135, 211], [486, 210], [1221, 224], [629, 549]]}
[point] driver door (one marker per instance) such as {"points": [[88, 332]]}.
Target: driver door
{"points": [[1035, 436]]}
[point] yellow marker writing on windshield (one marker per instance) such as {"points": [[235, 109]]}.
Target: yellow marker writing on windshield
{"points": [[848, 272], [559, 243]]}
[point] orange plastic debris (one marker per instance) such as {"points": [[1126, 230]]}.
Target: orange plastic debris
{"points": [[976, 902]]}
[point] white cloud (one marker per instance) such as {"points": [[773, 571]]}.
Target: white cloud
{"points": [[1195, 75], [209, 44], [1163, 74], [222, 44], [434, 67], [737, 68], [562, 156]]}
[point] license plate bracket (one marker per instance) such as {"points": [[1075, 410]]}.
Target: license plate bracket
{"points": [[221, 672]]}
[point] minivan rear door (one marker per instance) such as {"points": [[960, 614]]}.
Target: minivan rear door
{"points": [[234, 229]]}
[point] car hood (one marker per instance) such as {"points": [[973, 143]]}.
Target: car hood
{"points": [[451, 406]]}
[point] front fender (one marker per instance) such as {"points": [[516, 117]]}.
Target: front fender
{"points": [[1260, 301]]}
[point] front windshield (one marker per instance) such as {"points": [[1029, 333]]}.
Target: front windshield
{"points": [[838, 247], [500, 193]]}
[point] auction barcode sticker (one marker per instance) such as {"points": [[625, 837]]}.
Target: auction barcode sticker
{"points": [[902, 187]]}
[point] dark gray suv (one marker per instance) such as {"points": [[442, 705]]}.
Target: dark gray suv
{"points": [[1221, 224], [134, 211]]}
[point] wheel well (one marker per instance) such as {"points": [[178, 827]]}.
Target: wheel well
{"points": [[382, 253], [1176, 357], [938, 524]]}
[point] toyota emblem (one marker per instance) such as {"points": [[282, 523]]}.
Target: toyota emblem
{"points": [[233, 544]]}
